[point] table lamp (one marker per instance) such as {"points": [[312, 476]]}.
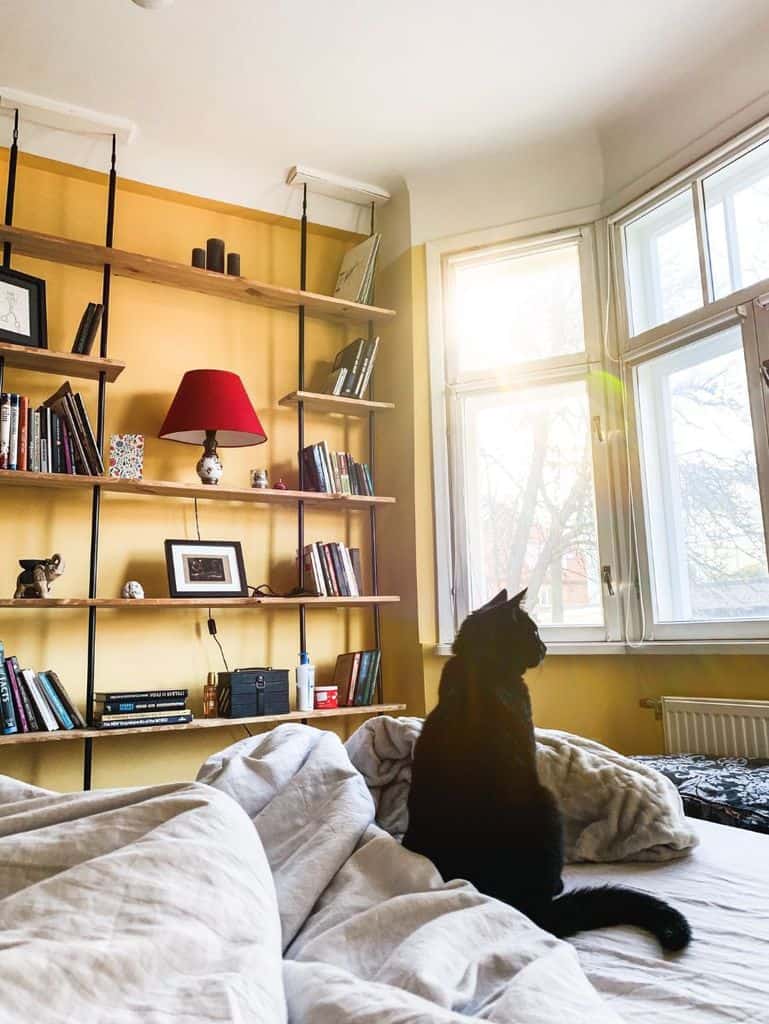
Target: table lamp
{"points": [[211, 408]]}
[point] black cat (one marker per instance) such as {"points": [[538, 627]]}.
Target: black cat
{"points": [[477, 808]]}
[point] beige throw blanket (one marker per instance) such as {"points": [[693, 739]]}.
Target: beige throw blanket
{"points": [[614, 808]]}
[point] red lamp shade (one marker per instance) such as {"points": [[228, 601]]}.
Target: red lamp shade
{"points": [[212, 400]]}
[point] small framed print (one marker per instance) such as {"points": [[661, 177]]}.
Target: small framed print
{"points": [[205, 568], [23, 318]]}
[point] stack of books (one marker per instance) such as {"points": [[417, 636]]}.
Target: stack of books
{"points": [[33, 701], [56, 438], [133, 708], [352, 369], [86, 332], [355, 281], [332, 570], [355, 675], [334, 472]]}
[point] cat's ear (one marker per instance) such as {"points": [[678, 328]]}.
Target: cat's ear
{"points": [[519, 598], [501, 598]]}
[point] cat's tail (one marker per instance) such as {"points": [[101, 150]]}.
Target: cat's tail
{"points": [[584, 909]]}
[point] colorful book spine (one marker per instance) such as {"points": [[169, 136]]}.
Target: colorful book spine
{"points": [[140, 694], [22, 460], [26, 700], [13, 434], [62, 717], [7, 713], [132, 707], [42, 707], [18, 704], [133, 723], [66, 700], [5, 428]]}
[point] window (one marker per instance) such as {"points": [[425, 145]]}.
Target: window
{"points": [[697, 400], [523, 401]]}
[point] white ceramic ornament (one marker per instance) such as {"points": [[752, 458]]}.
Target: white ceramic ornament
{"points": [[133, 590]]}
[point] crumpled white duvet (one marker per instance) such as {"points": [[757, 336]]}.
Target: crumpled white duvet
{"points": [[614, 808], [166, 905]]}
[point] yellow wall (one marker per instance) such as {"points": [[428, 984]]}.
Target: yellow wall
{"points": [[160, 332], [595, 696]]}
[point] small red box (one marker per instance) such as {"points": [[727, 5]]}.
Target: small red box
{"points": [[326, 697]]}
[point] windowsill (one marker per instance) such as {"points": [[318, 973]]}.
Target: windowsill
{"points": [[649, 647]]}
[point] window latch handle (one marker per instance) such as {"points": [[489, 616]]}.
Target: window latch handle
{"points": [[607, 580]]}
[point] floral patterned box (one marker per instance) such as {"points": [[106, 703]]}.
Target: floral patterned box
{"points": [[126, 456]]}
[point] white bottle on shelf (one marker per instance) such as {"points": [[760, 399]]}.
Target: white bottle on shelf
{"points": [[305, 683]]}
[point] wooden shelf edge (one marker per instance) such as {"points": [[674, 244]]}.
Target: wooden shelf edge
{"points": [[335, 403], [52, 603], [46, 360], [197, 723], [173, 489], [179, 275]]}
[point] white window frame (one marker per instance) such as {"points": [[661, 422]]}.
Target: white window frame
{"points": [[450, 527], [750, 307]]}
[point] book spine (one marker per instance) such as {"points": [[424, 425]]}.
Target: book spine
{"points": [[317, 456], [66, 448], [372, 677], [7, 714], [133, 723], [360, 685], [339, 570], [353, 679], [310, 574], [42, 708], [65, 698], [13, 434], [354, 556], [45, 465], [351, 380], [323, 590], [352, 580], [30, 438], [340, 379], [56, 705], [369, 479], [21, 461], [5, 428], [91, 448], [369, 367], [308, 470], [34, 445], [18, 703], [360, 384], [86, 344], [26, 700], [141, 694], [54, 444], [79, 334], [328, 565], [328, 476], [133, 707]]}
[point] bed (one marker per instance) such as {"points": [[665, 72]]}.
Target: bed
{"points": [[723, 888]]}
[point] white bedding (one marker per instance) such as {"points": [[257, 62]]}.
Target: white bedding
{"points": [[723, 977]]}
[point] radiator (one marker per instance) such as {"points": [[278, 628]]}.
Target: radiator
{"points": [[722, 728]]}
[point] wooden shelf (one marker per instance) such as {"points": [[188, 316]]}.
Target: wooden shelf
{"points": [[335, 403], [171, 489], [45, 360], [179, 275], [197, 723], [199, 602]]}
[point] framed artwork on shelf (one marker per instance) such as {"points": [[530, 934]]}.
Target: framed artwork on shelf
{"points": [[23, 319], [205, 568]]}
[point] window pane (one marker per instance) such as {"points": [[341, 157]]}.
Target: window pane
{"points": [[737, 211], [530, 501], [662, 263], [511, 308], [703, 511]]}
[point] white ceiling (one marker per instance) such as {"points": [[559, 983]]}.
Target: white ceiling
{"points": [[365, 89]]}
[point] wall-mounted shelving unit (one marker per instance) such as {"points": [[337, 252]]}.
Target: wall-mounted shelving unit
{"points": [[116, 262]]}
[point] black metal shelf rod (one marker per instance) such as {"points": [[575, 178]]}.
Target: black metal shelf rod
{"points": [[96, 494], [372, 511], [300, 418]]}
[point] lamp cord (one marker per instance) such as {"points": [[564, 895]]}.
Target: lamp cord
{"points": [[211, 619]]}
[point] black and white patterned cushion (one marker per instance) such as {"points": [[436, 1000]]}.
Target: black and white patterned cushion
{"points": [[728, 790]]}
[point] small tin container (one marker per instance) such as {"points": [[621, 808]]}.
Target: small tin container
{"points": [[326, 697]]}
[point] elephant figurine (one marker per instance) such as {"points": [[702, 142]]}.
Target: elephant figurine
{"points": [[37, 575]]}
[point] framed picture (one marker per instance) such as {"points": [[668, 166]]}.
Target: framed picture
{"points": [[205, 568], [22, 309]]}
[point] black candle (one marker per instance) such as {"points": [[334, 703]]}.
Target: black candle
{"points": [[199, 258], [215, 255], [233, 264]]}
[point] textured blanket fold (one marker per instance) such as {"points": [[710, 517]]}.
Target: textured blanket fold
{"points": [[614, 808], [372, 934]]}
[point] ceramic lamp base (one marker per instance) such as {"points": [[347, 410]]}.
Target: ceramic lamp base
{"points": [[209, 466]]}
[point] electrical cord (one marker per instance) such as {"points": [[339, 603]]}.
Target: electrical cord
{"points": [[211, 620]]}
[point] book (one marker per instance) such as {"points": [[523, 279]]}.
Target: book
{"points": [[335, 381], [66, 449], [62, 402], [350, 358], [13, 434], [42, 708], [7, 713], [349, 571], [70, 706], [131, 716], [54, 444], [355, 562], [103, 695], [356, 273], [5, 428], [123, 707], [367, 368], [34, 441], [340, 574], [345, 674], [18, 704], [360, 682], [81, 329], [22, 461], [124, 723], [54, 702], [86, 332], [29, 710], [45, 465], [91, 448], [373, 675]]}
